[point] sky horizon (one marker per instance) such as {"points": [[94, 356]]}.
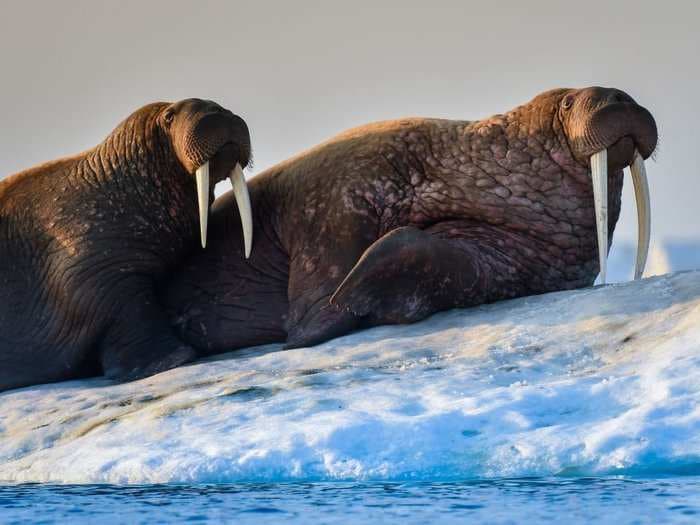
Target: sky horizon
{"points": [[299, 74]]}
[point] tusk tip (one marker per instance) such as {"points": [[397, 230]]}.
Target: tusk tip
{"points": [[240, 191]]}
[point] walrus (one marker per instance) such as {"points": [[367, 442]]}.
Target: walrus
{"points": [[85, 240], [394, 221]]}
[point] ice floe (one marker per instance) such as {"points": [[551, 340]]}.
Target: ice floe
{"points": [[602, 380]]}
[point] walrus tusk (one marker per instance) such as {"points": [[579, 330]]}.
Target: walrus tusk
{"points": [[642, 197], [240, 191], [599, 175], [203, 200]]}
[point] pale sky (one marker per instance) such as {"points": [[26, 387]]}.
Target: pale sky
{"points": [[299, 72]]}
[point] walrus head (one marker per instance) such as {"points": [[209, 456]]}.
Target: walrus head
{"points": [[211, 143], [608, 130]]}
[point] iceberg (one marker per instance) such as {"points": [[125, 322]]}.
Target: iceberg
{"points": [[598, 381]]}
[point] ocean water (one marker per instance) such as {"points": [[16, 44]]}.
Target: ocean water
{"points": [[580, 500], [584, 404]]}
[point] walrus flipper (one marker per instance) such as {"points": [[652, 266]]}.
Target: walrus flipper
{"points": [[314, 274], [409, 274], [141, 343], [314, 320]]}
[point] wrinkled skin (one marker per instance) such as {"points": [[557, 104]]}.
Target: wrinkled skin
{"points": [[85, 239], [391, 222]]}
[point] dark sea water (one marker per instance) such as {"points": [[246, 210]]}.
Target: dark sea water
{"points": [[568, 500]]}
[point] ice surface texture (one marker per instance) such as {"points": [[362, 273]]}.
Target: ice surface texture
{"points": [[591, 382]]}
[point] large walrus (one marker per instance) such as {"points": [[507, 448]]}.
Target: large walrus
{"points": [[391, 222], [84, 240]]}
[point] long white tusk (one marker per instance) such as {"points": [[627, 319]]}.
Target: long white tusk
{"points": [[641, 194], [203, 200], [599, 175], [240, 191]]}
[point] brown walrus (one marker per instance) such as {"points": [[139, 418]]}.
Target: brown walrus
{"points": [[85, 239], [391, 222]]}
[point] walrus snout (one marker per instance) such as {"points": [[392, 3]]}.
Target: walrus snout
{"points": [[599, 118], [219, 133], [622, 128]]}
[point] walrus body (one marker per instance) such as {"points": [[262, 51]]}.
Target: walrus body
{"points": [[85, 239], [391, 222]]}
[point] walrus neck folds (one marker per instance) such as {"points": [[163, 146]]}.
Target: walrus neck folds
{"points": [[132, 150], [136, 159]]}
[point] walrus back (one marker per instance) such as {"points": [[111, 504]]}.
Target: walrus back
{"points": [[17, 183], [21, 245]]}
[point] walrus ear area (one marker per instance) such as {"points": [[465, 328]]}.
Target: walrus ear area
{"points": [[168, 116], [567, 102]]}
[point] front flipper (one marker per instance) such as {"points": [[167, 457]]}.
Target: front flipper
{"points": [[315, 271], [312, 319], [409, 274], [140, 342]]}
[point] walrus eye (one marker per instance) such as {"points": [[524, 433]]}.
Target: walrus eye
{"points": [[169, 115], [567, 102]]}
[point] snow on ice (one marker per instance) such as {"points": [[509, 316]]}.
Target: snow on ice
{"points": [[597, 381]]}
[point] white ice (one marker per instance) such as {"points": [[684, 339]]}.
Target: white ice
{"points": [[603, 380]]}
